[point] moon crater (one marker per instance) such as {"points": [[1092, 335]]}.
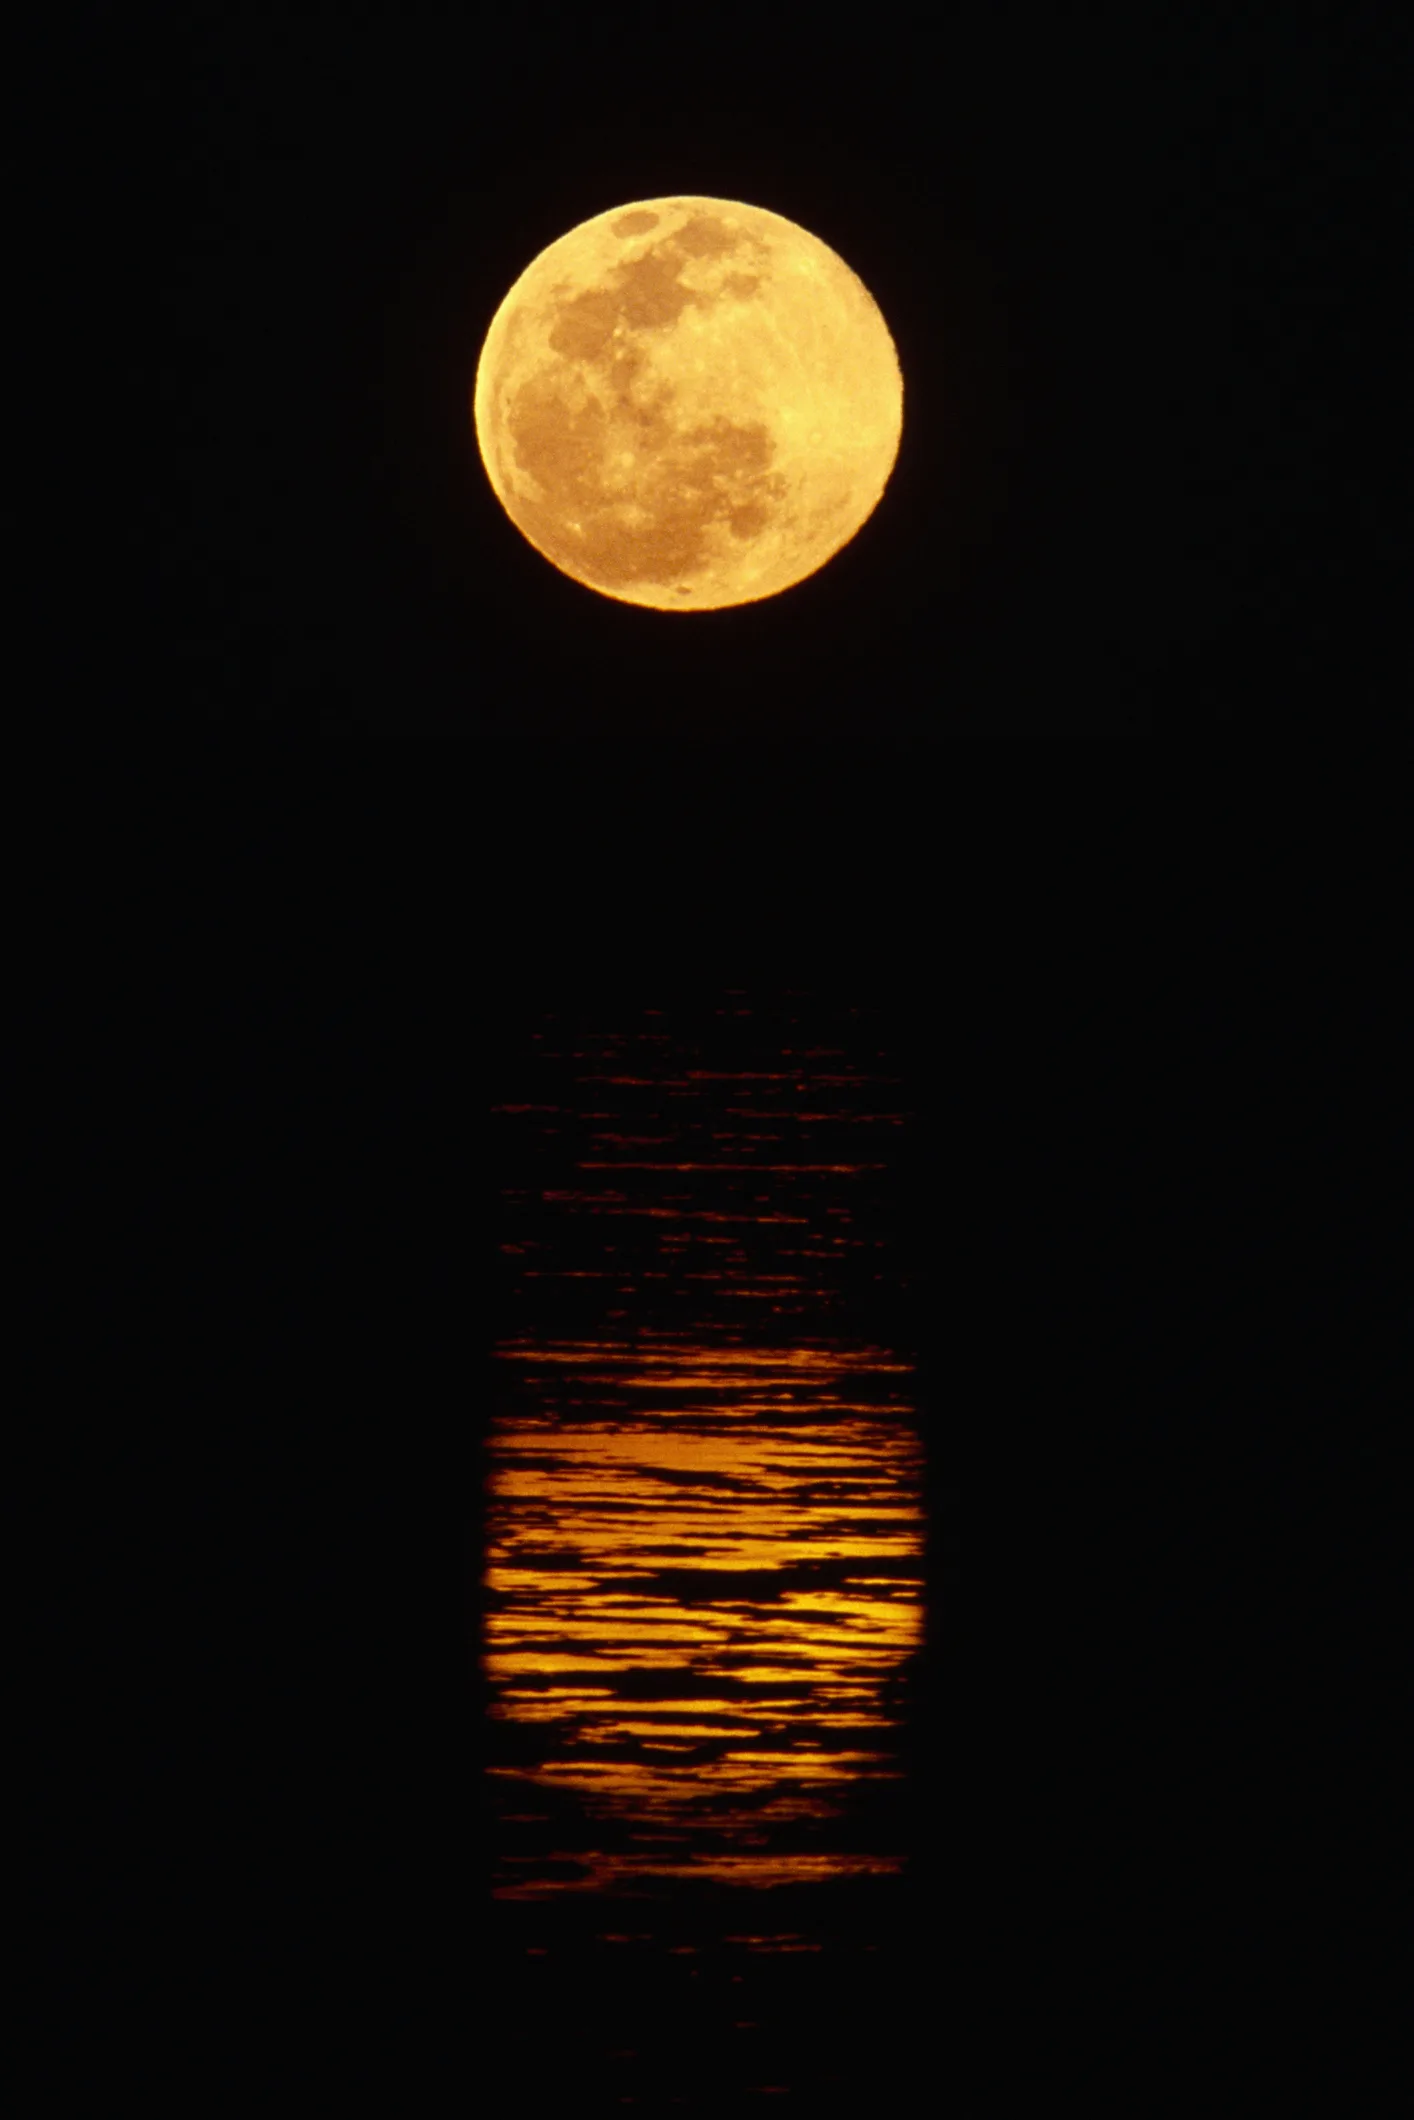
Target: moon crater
{"points": [[689, 403]]}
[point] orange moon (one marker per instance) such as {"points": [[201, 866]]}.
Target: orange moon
{"points": [[688, 403]]}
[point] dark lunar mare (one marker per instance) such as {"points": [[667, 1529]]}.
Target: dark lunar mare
{"points": [[685, 482]]}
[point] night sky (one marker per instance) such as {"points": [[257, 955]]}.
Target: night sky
{"points": [[1066, 763]]}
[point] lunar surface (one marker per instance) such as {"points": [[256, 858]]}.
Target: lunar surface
{"points": [[688, 403]]}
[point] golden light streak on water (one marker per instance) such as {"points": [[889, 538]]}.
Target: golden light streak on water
{"points": [[704, 1567]]}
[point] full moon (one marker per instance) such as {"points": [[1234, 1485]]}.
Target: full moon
{"points": [[688, 403]]}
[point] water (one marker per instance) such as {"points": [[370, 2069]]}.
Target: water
{"points": [[705, 1549]]}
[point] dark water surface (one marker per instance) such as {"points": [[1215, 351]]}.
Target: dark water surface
{"points": [[704, 1559]]}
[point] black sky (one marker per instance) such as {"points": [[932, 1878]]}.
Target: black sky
{"points": [[1070, 761], [1126, 535]]}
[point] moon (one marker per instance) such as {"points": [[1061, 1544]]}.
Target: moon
{"points": [[688, 403]]}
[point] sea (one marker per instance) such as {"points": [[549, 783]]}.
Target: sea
{"points": [[704, 1590]]}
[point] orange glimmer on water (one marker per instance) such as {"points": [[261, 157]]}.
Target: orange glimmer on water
{"points": [[704, 1567]]}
